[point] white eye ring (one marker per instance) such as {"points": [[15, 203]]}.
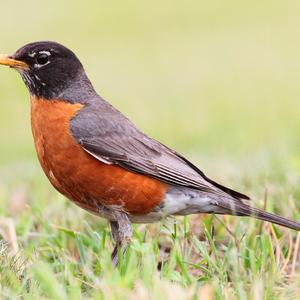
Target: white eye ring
{"points": [[45, 52], [42, 59]]}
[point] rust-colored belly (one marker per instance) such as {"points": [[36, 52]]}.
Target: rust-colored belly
{"points": [[78, 175]]}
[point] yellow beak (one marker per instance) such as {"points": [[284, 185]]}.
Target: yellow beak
{"points": [[7, 61]]}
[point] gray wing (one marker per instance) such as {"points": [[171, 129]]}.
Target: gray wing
{"points": [[110, 137]]}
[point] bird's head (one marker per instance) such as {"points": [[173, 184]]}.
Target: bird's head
{"points": [[49, 70]]}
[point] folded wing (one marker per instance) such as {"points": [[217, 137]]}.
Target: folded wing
{"points": [[113, 139]]}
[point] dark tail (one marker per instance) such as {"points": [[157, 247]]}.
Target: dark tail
{"points": [[241, 209]]}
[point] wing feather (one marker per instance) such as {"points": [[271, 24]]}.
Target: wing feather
{"points": [[123, 144]]}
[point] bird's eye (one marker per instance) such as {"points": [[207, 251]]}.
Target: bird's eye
{"points": [[42, 58]]}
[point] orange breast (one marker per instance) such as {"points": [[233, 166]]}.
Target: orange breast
{"points": [[78, 175]]}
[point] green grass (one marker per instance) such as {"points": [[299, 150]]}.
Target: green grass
{"points": [[219, 82]]}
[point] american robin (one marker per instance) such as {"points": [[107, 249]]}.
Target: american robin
{"points": [[99, 159]]}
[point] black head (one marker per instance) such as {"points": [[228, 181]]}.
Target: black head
{"points": [[50, 70]]}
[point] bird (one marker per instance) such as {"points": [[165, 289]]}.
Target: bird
{"points": [[97, 158]]}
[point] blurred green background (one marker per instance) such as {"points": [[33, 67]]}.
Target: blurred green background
{"points": [[216, 80]]}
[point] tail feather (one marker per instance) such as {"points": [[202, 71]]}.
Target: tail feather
{"points": [[241, 209]]}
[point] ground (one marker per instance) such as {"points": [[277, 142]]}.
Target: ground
{"points": [[218, 82]]}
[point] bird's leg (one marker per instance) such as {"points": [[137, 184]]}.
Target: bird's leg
{"points": [[115, 234], [122, 233]]}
